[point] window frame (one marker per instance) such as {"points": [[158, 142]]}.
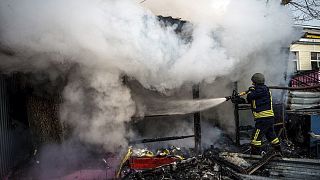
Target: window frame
{"points": [[296, 60], [317, 60]]}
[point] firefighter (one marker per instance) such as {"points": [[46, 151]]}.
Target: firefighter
{"points": [[260, 99]]}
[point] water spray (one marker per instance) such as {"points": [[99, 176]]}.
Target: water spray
{"points": [[175, 107]]}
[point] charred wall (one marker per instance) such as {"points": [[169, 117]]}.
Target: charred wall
{"points": [[6, 138], [39, 101], [29, 118], [43, 119]]}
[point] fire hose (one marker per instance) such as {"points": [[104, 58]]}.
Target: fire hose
{"points": [[236, 97]]}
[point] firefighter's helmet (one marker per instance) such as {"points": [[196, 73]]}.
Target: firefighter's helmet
{"points": [[258, 78]]}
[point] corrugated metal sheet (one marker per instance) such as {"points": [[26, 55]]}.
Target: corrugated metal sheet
{"points": [[6, 157], [287, 168], [300, 94], [303, 100]]}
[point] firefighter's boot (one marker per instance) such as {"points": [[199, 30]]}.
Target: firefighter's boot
{"points": [[277, 149], [255, 150]]}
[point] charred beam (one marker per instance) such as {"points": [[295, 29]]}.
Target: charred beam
{"points": [[214, 156], [263, 161], [197, 121], [236, 117], [159, 139]]}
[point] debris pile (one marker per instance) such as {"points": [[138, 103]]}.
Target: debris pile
{"points": [[193, 168], [210, 165], [235, 159], [214, 164]]}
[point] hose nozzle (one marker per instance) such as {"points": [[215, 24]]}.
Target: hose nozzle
{"points": [[235, 97], [228, 98]]}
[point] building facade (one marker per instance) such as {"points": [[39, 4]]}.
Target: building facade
{"points": [[307, 49]]}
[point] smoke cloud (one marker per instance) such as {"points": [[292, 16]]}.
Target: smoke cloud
{"points": [[107, 39]]}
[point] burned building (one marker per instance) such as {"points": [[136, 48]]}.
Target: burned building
{"points": [[33, 104]]}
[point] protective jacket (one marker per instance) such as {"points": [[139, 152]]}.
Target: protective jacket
{"points": [[260, 99]]}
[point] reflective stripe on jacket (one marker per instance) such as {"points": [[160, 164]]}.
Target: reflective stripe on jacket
{"points": [[260, 99]]}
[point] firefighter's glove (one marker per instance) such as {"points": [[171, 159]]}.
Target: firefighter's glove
{"points": [[251, 89], [242, 93], [228, 98]]}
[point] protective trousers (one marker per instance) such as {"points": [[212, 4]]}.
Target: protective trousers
{"points": [[264, 126]]}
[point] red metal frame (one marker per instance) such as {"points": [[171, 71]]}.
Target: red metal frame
{"points": [[303, 79], [143, 163]]}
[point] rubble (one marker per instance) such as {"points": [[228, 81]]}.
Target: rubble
{"points": [[206, 166], [235, 159], [213, 164], [191, 168]]}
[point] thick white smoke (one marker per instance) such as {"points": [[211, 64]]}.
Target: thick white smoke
{"points": [[98, 106], [111, 38]]}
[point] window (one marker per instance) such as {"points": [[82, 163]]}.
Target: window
{"points": [[295, 60], [315, 60]]}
